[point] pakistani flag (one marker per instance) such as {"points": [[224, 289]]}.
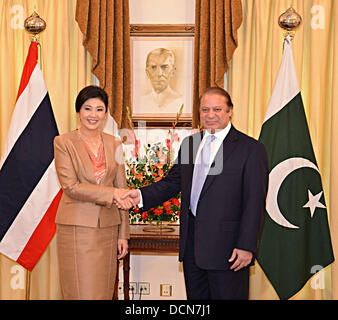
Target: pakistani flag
{"points": [[295, 241]]}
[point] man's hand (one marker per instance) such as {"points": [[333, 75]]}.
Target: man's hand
{"points": [[122, 200], [243, 259], [132, 195]]}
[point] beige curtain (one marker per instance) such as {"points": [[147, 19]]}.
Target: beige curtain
{"points": [[105, 25], [66, 69], [216, 25], [251, 78]]}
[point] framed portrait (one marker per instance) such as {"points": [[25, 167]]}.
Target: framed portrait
{"points": [[162, 74]]}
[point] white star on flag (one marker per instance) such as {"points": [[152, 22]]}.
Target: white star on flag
{"points": [[313, 202]]}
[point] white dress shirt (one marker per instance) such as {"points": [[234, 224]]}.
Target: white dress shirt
{"points": [[215, 145]]}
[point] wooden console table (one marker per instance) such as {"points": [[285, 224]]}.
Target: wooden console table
{"points": [[143, 241]]}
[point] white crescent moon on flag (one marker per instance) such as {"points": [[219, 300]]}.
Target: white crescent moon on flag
{"points": [[276, 178]]}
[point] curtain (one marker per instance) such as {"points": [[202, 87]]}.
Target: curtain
{"points": [[251, 78], [216, 25], [105, 26], [66, 69]]}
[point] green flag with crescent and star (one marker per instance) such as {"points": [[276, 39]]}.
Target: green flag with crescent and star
{"points": [[295, 242]]}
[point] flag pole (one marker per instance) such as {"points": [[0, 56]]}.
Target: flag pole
{"points": [[28, 284], [33, 25]]}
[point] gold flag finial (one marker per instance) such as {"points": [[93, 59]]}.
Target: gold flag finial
{"points": [[290, 20], [35, 25]]}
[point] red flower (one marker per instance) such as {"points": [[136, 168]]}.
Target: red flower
{"points": [[132, 170], [158, 212], [139, 177], [168, 142], [167, 205], [137, 210], [144, 215], [160, 172], [158, 166], [175, 202], [135, 151]]}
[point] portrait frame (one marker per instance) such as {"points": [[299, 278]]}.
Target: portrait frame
{"points": [[178, 39]]}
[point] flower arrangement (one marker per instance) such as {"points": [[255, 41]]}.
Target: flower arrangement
{"points": [[152, 167]]}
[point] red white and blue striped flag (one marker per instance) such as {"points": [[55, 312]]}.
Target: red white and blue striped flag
{"points": [[29, 188]]}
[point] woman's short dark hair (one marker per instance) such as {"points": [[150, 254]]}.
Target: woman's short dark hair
{"points": [[90, 92]]}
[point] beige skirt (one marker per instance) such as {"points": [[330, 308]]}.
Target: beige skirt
{"points": [[87, 261]]}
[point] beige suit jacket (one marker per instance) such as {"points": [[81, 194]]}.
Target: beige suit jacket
{"points": [[84, 202]]}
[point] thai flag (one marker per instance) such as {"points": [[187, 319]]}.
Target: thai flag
{"points": [[29, 188]]}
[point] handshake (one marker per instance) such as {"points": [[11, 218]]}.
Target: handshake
{"points": [[126, 199]]}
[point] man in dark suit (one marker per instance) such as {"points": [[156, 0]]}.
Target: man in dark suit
{"points": [[223, 176]]}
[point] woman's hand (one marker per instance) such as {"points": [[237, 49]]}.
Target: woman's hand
{"points": [[122, 200], [122, 248]]}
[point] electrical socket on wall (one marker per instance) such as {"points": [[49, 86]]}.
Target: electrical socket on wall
{"points": [[166, 290], [144, 288], [133, 287]]}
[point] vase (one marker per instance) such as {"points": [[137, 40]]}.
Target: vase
{"points": [[162, 227]]}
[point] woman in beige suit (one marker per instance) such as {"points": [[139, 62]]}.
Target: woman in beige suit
{"points": [[91, 231]]}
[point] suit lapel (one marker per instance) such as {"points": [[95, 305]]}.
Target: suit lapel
{"points": [[228, 146], [109, 153], [84, 156]]}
